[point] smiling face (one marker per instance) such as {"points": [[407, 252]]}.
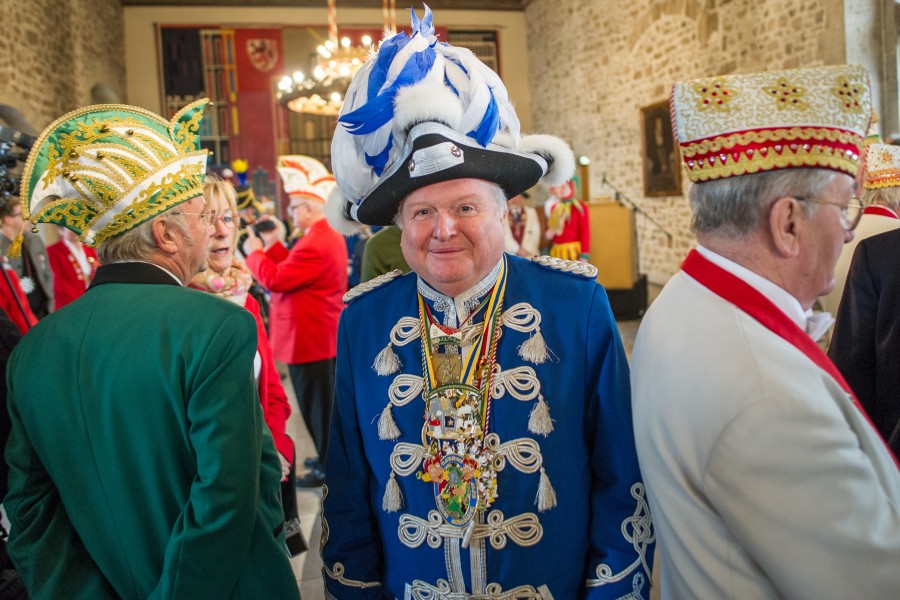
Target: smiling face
{"points": [[221, 243], [452, 233]]}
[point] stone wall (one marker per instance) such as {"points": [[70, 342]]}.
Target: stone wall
{"points": [[52, 52], [595, 63]]}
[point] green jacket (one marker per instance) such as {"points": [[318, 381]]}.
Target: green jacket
{"points": [[140, 464]]}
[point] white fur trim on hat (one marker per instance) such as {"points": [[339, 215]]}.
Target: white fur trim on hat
{"points": [[427, 101], [559, 157], [334, 213]]}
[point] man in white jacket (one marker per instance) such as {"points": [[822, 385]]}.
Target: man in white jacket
{"points": [[765, 478]]}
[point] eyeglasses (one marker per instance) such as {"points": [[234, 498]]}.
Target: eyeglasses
{"points": [[208, 217], [228, 219], [850, 212]]}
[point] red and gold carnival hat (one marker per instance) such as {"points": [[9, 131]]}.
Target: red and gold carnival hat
{"points": [[749, 123]]}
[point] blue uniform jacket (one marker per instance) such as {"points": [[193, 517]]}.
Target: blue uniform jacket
{"points": [[596, 542]]}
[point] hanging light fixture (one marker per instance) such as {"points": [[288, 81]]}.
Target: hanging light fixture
{"points": [[337, 60]]}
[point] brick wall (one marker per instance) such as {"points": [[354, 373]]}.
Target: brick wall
{"points": [[52, 52], [593, 64]]}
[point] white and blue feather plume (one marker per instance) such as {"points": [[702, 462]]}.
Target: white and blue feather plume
{"points": [[415, 79]]}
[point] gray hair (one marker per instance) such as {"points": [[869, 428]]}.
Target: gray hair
{"points": [[737, 206], [497, 194], [138, 242], [888, 196]]}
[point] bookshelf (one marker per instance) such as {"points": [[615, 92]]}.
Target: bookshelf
{"points": [[200, 63], [220, 85]]}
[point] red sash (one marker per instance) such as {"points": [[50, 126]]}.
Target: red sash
{"points": [[881, 211], [735, 290]]}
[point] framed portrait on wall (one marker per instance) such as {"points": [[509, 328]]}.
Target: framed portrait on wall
{"points": [[662, 164]]}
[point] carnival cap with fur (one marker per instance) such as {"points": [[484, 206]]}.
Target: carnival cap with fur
{"points": [[421, 112], [104, 169]]}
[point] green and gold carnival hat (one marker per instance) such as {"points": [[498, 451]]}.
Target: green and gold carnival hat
{"points": [[101, 170]]}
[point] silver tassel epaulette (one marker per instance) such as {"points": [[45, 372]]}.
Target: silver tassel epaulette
{"points": [[567, 266], [367, 286]]}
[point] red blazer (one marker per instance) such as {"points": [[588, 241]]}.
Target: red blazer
{"points": [[8, 300], [307, 285], [271, 393], [69, 282]]}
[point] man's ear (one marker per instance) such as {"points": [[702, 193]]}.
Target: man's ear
{"points": [[166, 235], [787, 217]]}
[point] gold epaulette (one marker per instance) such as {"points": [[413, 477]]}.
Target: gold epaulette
{"points": [[367, 286], [567, 266]]}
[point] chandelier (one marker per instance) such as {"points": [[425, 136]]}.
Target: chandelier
{"points": [[322, 92]]}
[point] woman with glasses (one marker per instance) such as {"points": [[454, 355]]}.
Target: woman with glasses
{"points": [[228, 277]]}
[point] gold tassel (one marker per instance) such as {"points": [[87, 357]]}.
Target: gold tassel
{"points": [[393, 500], [546, 496], [15, 249], [539, 421], [387, 428], [386, 363], [535, 349]]}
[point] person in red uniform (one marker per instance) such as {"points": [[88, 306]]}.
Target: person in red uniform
{"points": [[13, 300], [568, 224], [307, 284], [73, 266]]}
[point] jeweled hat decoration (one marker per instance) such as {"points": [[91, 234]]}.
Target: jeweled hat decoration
{"points": [[305, 176], [420, 112], [883, 166], [103, 169], [748, 123]]}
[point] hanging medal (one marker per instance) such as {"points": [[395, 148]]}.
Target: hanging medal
{"points": [[457, 402]]}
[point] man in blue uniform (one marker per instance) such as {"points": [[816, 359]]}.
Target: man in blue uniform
{"points": [[481, 434]]}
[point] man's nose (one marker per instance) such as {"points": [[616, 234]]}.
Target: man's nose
{"points": [[444, 226]]}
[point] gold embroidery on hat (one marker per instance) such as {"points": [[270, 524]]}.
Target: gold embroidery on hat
{"points": [[766, 136], [174, 189], [713, 95], [849, 93], [787, 95]]}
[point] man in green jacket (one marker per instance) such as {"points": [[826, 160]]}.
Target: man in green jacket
{"points": [[140, 464]]}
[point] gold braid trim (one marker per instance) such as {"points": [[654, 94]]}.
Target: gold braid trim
{"points": [[174, 189], [882, 179], [773, 161], [765, 137], [73, 213]]}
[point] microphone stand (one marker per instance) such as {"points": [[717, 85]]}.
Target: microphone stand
{"points": [[627, 202]]}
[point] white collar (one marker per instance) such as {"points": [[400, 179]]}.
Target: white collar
{"points": [[813, 323], [456, 310]]}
